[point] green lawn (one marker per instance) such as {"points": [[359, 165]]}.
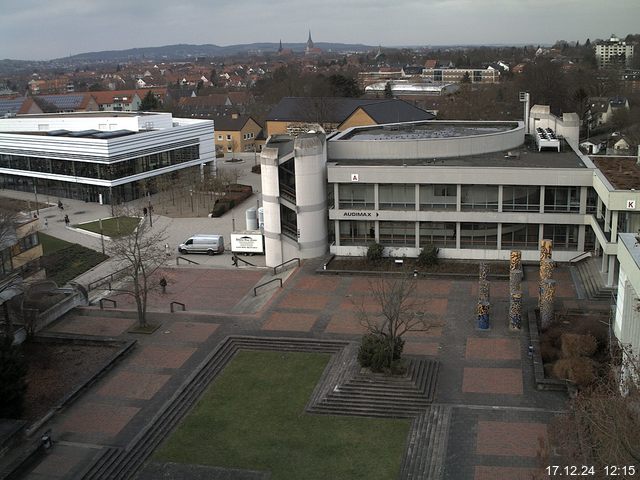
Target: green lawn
{"points": [[252, 417], [64, 261], [112, 227], [51, 244]]}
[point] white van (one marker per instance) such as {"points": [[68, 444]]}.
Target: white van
{"points": [[209, 244]]}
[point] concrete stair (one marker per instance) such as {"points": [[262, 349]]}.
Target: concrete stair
{"points": [[592, 280], [346, 390], [427, 446]]}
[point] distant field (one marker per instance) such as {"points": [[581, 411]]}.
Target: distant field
{"points": [[252, 417], [112, 227]]}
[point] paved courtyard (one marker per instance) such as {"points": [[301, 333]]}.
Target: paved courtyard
{"points": [[499, 417]]}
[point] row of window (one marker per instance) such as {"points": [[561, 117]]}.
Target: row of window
{"points": [[101, 171], [444, 235], [473, 197]]}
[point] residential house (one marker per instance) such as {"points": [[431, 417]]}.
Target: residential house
{"points": [[236, 133], [73, 102], [601, 109], [18, 106], [118, 100], [298, 114]]}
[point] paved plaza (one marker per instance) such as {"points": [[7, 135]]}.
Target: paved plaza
{"points": [[498, 419]]}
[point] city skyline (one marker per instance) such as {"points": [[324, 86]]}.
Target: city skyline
{"points": [[38, 30]]}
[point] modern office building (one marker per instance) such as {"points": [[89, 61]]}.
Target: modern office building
{"points": [[106, 157], [476, 190]]}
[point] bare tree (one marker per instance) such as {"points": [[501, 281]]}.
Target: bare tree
{"points": [[602, 426], [399, 310], [140, 253]]}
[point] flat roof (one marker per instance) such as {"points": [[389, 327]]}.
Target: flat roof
{"points": [[426, 130], [525, 156], [102, 113], [631, 242], [622, 173]]}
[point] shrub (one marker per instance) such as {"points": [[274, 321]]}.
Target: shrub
{"points": [[579, 370], [548, 352], [575, 345], [428, 256], [375, 253], [374, 353]]}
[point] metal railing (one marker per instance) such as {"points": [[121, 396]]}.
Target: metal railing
{"points": [[255, 290], [186, 259], [113, 303], [582, 256], [235, 258], [275, 269], [108, 279], [171, 306]]}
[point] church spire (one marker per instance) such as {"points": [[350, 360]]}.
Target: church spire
{"points": [[280, 47], [309, 42]]}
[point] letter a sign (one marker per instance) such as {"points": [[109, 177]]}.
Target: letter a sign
{"points": [[355, 177], [631, 204]]}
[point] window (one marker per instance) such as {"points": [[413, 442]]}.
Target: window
{"points": [[562, 199], [564, 237], [438, 197], [520, 235], [520, 199], [397, 196], [228, 137], [479, 235], [356, 196], [219, 137], [229, 149], [480, 197], [438, 234], [354, 232], [398, 234]]}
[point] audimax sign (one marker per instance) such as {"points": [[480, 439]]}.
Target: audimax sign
{"points": [[359, 213]]}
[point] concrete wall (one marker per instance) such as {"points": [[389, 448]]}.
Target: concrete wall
{"points": [[354, 149]]}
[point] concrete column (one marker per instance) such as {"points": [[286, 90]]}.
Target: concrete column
{"points": [[614, 226], [336, 230], [417, 242], [541, 202], [458, 232], [607, 220], [515, 311], [271, 203], [599, 208], [377, 227], [417, 197], [483, 315], [500, 197], [336, 196], [459, 199], [547, 296], [612, 271], [581, 237], [605, 262], [540, 233], [375, 197], [583, 200], [499, 236]]}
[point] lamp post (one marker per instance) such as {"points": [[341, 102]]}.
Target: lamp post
{"points": [[101, 235], [150, 209]]}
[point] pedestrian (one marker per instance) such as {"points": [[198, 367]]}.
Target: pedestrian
{"points": [[144, 211], [60, 206], [66, 220], [163, 284], [167, 252], [46, 223]]}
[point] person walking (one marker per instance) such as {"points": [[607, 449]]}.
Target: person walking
{"points": [[66, 220]]}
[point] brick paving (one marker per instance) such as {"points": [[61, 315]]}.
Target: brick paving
{"points": [[493, 348], [486, 377], [292, 322], [498, 381], [142, 386], [518, 439]]}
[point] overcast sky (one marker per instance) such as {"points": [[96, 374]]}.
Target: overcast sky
{"points": [[46, 29]]}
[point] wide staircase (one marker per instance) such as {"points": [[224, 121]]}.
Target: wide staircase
{"points": [[593, 282]]}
